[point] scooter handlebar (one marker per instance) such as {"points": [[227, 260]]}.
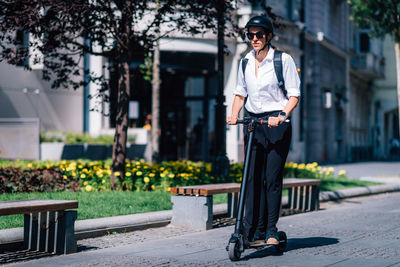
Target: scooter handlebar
{"points": [[248, 120]]}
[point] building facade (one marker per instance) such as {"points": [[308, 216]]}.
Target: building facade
{"points": [[332, 123]]}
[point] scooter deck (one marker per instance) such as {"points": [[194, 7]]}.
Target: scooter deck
{"points": [[265, 245]]}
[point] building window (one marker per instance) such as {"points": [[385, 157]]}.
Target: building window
{"points": [[364, 42], [22, 48]]}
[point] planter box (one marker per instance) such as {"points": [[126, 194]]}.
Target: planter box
{"points": [[59, 151]]}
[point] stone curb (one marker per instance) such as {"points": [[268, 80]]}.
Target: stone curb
{"points": [[102, 226]]}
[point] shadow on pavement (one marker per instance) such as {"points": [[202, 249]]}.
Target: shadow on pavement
{"points": [[293, 244], [17, 254]]}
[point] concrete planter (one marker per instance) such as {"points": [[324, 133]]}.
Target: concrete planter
{"points": [[59, 151]]}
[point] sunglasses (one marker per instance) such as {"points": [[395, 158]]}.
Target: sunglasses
{"points": [[259, 35]]}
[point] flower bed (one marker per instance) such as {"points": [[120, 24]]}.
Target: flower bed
{"points": [[86, 175]]}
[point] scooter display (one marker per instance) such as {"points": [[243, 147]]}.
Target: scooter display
{"points": [[236, 245]]}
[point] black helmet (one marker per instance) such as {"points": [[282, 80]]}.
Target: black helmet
{"points": [[261, 21]]}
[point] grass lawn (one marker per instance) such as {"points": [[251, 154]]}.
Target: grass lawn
{"points": [[106, 204]]}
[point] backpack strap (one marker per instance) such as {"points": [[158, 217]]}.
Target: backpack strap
{"points": [[244, 64], [279, 71]]}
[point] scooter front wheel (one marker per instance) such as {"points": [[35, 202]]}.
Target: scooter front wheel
{"points": [[234, 251]]}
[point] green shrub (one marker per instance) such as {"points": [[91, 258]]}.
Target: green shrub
{"points": [[86, 175], [13, 180], [79, 138]]}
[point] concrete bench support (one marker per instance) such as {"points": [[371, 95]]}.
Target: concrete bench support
{"points": [[51, 232], [192, 211]]}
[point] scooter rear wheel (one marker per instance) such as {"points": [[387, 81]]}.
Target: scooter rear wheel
{"points": [[282, 242], [234, 251]]}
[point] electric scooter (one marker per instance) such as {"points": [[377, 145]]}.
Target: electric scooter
{"points": [[236, 243]]}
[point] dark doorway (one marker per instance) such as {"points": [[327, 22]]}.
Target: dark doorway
{"points": [[187, 114]]}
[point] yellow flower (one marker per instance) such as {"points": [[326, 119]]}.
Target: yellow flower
{"points": [[100, 175], [152, 175], [294, 165], [128, 174], [153, 186], [103, 181], [331, 169], [85, 183], [171, 175], [342, 172], [162, 175], [117, 174], [83, 175], [29, 165], [168, 189], [88, 188], [65, 177], [301, 166], [146, 179]]}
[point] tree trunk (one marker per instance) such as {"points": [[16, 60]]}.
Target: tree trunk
{"points": [[121, 120], [121, 126], [397, 51], [155, 108], [155, 101]]}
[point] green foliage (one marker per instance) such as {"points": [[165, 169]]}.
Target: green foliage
{"points": [[86, 175], [382, 16], [146, 69], [79, 138], [14, 180]]}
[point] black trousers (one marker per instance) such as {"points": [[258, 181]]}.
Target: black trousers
{"points": [[269, 151]]}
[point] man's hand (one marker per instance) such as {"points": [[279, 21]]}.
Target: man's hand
{"points": [[231, 120], [275, 121]]}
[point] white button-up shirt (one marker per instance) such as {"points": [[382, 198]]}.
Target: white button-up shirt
{"points": [[262, 92]]}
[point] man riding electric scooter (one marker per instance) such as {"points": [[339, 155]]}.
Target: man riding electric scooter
{"points": [[269, 86]]}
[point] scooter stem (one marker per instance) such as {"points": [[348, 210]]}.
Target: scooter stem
{"points": [[238, 226]]}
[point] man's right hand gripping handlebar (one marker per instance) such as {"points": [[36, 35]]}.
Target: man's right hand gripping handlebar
{"points": [[231, 120]]}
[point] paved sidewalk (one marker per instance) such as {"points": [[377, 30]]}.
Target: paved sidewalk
{"points": [[376, 169], [357, 232]]}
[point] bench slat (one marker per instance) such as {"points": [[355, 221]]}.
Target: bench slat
{"points": [[35, 205], [213, 189], [292, 182]]}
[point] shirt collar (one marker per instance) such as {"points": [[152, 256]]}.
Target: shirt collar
{"points": [[269, 57]]}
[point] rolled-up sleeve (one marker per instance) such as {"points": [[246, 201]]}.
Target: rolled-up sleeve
{"points": [[241, 88], [290, 76]]}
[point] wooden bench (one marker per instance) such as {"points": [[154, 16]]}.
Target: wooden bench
{"points": [[193, 205], [48, 224]]}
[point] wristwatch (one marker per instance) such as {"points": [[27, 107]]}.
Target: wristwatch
{"points": [[283, 114]]}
